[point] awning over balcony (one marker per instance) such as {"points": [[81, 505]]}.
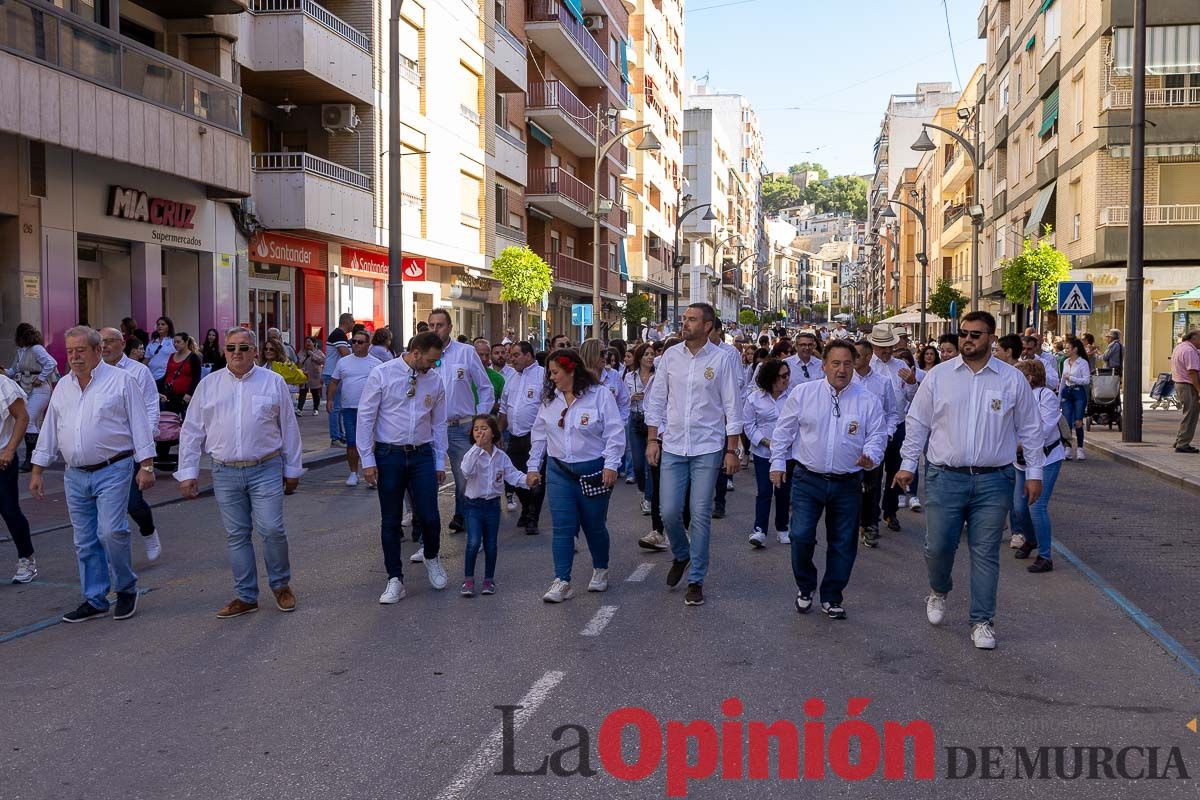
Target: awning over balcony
{"points": [[1049, 111], [1170, 50], [1045, 6], [1045, 197], [1158, 150], [622, 262], [1032, 41], [575, 7], [539, 135]]}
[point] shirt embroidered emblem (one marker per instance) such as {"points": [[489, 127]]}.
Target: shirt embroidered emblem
{"points": [[996, 404], [459, 373], [583, 421], [709, 374], [853, 429], [429, 401]]}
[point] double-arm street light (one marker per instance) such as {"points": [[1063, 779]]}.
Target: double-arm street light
{"points": [[676, 258], [648, 142], [922, 257], [896, 263]]}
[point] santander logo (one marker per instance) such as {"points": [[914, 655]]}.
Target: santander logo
{"points": [[414, 269]]}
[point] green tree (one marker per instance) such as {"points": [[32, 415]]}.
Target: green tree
{"points": [[637, 306], [524, 277], [809, 166], [779, 193], [747, 317], [1042, 263], [819, 310], [845, 194], [943, 296]]}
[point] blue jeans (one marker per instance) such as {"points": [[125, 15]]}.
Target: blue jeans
{"points": [[571, 510], [982, 502], [250, 499], [482, 517], [335, 409], [458, 439], [635, 451], [1036, 518], [349, 425], [410, 472], [96, 502], [762, 501], [840, 502], [695, 476], [1074, 408]]}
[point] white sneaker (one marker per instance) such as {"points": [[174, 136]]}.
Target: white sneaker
{"points": [[26, 570], [758, 539], [406, 518], [729, 484], [1016, 541], [299, 412], [153, 546], [559, 591], [645, 507], [629, 480], [437, 575], [352, 480], [1081, 455], [510, 503], [599, 581], [315, 412], [393, 593], [1070, 453], [915, 503], [983, 635], [935, 608], [654, 541], [783, 537], [417, 557], [902, 501]]}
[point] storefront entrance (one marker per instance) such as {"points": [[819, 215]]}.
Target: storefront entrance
{"points": [[270, 300]]}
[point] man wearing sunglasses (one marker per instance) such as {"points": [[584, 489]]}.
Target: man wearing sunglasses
{"points": [[805, 365], [350, 375], [967, 418], [244, 418]]}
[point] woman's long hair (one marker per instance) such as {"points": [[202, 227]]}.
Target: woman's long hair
{"points": [[569, 360]]}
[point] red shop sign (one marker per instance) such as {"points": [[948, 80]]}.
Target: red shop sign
{"points": [[415, 269], [274, 248], [364, 261]]}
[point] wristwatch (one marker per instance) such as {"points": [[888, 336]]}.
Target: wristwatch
{"points": [[148, 468]]}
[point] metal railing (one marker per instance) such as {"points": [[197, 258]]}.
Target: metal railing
{"points": [[555, 11], [508, 137], [570, 269], [411, 200], [510, 233], [1153, 215], [556, 95], [410, 70], [95, 54], [1155, 98], [313, 165], [556, 180], [469, 114], [509, 37], [953, 215], [316, 12]]}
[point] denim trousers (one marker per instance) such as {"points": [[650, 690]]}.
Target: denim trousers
{"points": [[335, 411], [96, 502], [458, 442], [839, 501], [482, 518], [139, 509], [251, 499], [413, 473], [635, 449], [982, 502], [1074, 407], [10, 510], [762, 501], [691, 480], [1035, 518], [571, 510], [653, 481]]}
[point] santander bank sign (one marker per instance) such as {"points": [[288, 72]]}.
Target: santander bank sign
{"points": [[272, 248]]}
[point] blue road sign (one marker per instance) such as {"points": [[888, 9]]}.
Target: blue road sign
{"points": [[581, 314], [1075, 297]]}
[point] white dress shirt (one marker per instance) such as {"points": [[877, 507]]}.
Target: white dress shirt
{"points": [[10, 392], [759, 415], [815, 367], [620, 392], [94, 424], [1051, 364], [591, 428], [634, 385], [1049, 410], [145, 382], [509, 372], [973, 419], [387, 415], [459, 368], [158, 353], [522, 397], [240, 419], [905, 391], [878, 384], [1077, 374], [828, 438], [486, 474], [696, 399]]}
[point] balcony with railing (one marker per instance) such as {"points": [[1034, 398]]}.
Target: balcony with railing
{"points": [[956, 171], [300, 191], [956, 226], [553, 106], [511, 156], [1153, 215], [553, 28], [1179, 97], [511, 60], [560, 193], [300, 50]]}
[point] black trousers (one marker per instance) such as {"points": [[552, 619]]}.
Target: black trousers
{"points": [[871, 495], [531, 499], [891, 465], [10, 510], [139, 509]]}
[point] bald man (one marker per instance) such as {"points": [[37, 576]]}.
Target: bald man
{"points": [[112, 350]]}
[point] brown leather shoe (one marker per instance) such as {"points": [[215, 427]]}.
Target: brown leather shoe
{"points": [[235, 608], [285, 599]]}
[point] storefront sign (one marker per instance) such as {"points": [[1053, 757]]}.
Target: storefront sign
{"points": [[139, 206], [31, 287], [415, 269], [288, 251], [364, 261], [471, 282]]}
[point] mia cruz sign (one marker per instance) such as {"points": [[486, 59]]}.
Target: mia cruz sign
{"points": [[139, 206]]}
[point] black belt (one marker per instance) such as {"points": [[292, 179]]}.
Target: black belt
{"points": [[830, 476], [404, 448], [971, 470], [109, 463]]}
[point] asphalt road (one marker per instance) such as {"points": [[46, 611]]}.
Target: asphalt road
{"points": [[349, 699]]}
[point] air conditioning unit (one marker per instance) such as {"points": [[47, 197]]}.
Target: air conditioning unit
{"points": [[593, 22], [655, 242], [339, 117]]}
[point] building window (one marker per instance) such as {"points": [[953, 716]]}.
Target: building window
{"points": [[612, 258], [1080, 13], [469, 98], [1076, 200], [1001, 239], [1003, 102], [689, 138], [410, 53], [1077, 102], [1053, 25], [469, 202], [501, 12]]}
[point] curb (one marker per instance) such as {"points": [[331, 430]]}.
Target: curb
{"points": [[1191, 484]]}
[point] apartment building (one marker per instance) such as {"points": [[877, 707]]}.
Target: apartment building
{"points": [[1057, 115], [709, 175], [121, 136]]}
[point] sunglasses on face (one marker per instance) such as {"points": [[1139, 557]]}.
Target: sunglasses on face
{"points": [[362, 341], [972, 334], [236, 348]]}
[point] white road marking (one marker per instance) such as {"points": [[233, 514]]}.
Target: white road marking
{"points": [[600, 621], [639, 574], [479, 764]]}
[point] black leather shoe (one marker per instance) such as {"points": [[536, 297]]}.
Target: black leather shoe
{"points": [[1025, 550], [718, 511], [675, 574], [1041, 565], [893, 523], [531, 529], [1187, 448], [456, 524], [85, 612], [694, 596], [126, 605]]}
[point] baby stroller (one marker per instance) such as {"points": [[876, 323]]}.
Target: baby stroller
{"points": [[1104, 400], [1163, 392]]}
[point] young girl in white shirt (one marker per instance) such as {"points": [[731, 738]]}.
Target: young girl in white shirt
{"points": [[485, 468]]}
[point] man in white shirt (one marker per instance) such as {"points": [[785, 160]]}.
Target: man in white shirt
{"points": [[460, 370], [500, 361], [402, 442], [804, 365], [967, 419], [337, 345], [883, 339], [879, 385], [839, 331], [243, 417], [1031, 347], [518, 407], [833, 429], [695, 398], [349, 376], [112, 350], [97, 419]]}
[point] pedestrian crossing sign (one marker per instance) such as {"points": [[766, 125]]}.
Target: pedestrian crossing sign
{"points": [[1074, 297]]}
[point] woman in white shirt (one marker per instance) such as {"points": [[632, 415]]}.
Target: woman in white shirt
{"points": [[759, 415], [579, 429], [1036, 518], [1076, 377], [161, 347], [13, 420], [33, 369], [637, 384]]}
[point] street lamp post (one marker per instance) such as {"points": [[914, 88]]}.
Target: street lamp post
{"points": [[1131, 430], [649, 142], [395, 210], [922, 257], [895, 275], [676, 258]]}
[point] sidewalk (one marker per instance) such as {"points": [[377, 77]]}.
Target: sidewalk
{"points": [[1156, 452], [51, 513]]}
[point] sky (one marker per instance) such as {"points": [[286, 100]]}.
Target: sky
{"points": [[819, 72]]}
